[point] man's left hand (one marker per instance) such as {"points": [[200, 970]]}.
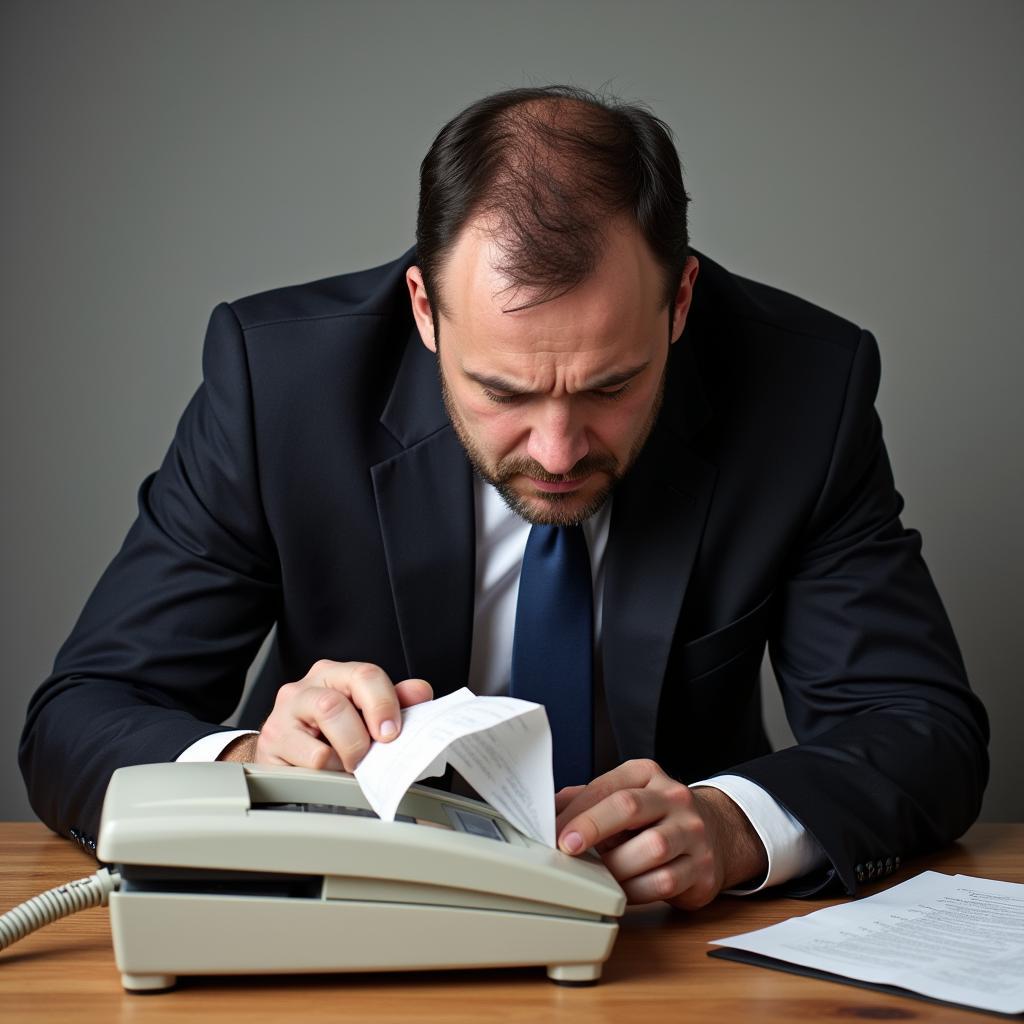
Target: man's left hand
{"points": [[660, 839]]}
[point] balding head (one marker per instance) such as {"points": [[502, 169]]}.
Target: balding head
{"points": [[546, 170]]}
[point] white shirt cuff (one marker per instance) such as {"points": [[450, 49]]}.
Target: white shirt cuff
{"points": [[209, 748], [791, 850]]}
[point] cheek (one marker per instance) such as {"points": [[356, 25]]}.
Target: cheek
{"points": [[494, 428], [616, 427]]}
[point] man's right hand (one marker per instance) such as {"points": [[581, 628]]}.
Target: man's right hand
{"points": [[329, 718]]}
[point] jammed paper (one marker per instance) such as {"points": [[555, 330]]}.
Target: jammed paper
{"points": [[500, 745]]}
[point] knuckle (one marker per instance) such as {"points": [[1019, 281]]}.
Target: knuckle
{"points": [[352, 753], [626, 803], [328, 703], [286, 693], [362, 672], [696, 832], [677, 793], [320, 757], [663, 884], [648, 770], [702, 893], [320, 667], [705, 863], [270, 732], [383, 706], [658, 846]]}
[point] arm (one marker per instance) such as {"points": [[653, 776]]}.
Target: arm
{"points": [[161, 649], [891, 742], [891, 754], [160, 652]]}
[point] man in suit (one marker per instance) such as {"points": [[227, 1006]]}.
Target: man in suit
{"points": [[380, 465]]}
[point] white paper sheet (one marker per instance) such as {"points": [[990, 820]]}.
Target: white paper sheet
{"points": [[500, 745], [951, 937]]}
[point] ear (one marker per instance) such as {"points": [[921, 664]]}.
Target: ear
{"points": [[684, 296], [421, 311]]}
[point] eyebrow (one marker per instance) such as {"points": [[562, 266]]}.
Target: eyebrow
{"points": [[610, 380]]}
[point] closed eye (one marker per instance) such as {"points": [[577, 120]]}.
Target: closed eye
{"points": [[494, 396], [612, 393], [609, 395]]}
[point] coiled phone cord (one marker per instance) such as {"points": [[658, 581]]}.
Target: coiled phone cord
{"points": [[50, 906]]}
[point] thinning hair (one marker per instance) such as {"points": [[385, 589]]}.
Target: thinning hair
{"points": [[547, 169]]}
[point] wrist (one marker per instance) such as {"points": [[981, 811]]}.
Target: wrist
{"points": [[738, 848], [241, 748]]}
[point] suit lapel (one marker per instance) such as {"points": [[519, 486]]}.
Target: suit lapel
{"points": [[425, 508], [657, 523]]}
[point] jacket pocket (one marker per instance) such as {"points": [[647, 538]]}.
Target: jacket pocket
{"points": [[714, 650]]}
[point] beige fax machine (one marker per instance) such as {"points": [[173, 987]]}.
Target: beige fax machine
{"points": [[237, 869]]}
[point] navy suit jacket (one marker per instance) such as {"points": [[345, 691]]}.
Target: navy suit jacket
{"points": [[315, 484]]}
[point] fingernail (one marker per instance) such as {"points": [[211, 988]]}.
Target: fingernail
{"points": [[387, 729], [573, 842]]}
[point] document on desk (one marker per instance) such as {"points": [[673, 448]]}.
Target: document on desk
{"points": [[500, 745], [950, 937]]}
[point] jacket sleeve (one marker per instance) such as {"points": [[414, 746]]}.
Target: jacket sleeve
{"points": [[891, 754], [160, 651]]}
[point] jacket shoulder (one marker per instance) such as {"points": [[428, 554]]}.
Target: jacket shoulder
{"points": [[378, 291], [764, 308]]}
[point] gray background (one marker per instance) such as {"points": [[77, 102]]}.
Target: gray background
{"points": [[159, 158]]}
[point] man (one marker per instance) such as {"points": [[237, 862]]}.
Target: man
{"points": [[673, 467]]}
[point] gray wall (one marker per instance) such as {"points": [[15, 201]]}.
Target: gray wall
{"points": [[161, 157]]}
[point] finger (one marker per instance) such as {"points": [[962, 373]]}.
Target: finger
{"points": [[618, 812], [650, 849], [684, 882], [610, 844], [296, 747], [667, 882], [566, 795], [334, 717], [368, 687], [577, 800], [413, 691], [630, 774]]}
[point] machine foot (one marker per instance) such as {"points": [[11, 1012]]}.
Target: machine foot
{"points": [[148, 982], [575, 974]]}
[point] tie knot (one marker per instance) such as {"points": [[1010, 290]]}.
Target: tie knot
{"points": [[557, 546]]}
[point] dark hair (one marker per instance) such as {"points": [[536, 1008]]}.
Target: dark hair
{"points": [[549, 166]]}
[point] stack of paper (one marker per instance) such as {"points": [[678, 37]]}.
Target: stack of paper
{"points": [[949, 937]]}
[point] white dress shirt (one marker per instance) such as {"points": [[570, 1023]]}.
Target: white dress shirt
{"points": [[501, 537]]}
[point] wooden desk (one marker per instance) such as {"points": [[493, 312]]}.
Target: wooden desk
{"points": [[658, 971]]}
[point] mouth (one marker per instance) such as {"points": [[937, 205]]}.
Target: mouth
{"points": [[558, 486]]}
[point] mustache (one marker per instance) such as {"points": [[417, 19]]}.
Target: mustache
{"points": [[521, 465]]}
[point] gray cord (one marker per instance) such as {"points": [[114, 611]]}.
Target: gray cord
{"points": [[56, 903]]}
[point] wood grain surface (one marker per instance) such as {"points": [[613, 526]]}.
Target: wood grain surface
{"points": [[658, 971]]}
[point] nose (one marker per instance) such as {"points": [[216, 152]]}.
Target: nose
{"points": [[557, 440]]}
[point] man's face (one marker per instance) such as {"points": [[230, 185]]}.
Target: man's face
{"points": [[553, 402]]}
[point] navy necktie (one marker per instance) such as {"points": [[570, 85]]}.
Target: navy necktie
{"points": [[552, 649]]}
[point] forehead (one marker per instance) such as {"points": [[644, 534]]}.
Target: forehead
{"points": [[611, 316]]}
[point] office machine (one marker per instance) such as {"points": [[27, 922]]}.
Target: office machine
{"points": [[235, 869]]}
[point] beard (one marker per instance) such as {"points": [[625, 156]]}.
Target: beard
{"points": [[557, 509]]}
